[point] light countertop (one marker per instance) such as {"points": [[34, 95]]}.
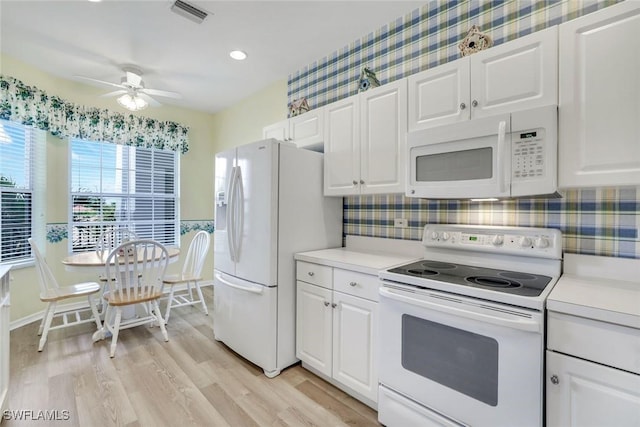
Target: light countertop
{"points": [[599, 288], [366, 254]]}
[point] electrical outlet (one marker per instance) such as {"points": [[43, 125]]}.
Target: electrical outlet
{"points": [[400, 222]]}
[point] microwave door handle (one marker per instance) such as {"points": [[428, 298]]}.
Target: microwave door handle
{"points": [[502, 130], [523, 324]]}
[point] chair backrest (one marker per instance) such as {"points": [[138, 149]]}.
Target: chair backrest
{"points": [[198, 249], [46, 280], [113, 237], [138, 267]]}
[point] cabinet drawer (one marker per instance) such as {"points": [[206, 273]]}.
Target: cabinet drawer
{"points": [[601, 342], [315, 274], [357, 284]]}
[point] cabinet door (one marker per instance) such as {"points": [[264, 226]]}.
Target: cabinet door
{"points": [[382, 143], [517, 75], [581, 393], [342, 148], [439, 96], [279, 131], [306, 130], [313, 326], [599, 110], [355, 331]]}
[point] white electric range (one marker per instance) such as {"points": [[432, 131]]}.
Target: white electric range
{"points": [[462, 330]]}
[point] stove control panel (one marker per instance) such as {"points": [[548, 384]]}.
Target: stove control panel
{"points": [[535, 242]]}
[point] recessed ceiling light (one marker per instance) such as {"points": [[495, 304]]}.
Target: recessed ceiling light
{"points": [[95, 1], [238, 55]]}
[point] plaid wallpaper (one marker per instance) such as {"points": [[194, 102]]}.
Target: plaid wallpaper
{"points": [[593, 221]]}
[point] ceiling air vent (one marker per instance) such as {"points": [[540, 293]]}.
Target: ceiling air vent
{"points": [[189, 11]]}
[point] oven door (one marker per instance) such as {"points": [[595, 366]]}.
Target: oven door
{"points": [[465, 160], [476, 362]]}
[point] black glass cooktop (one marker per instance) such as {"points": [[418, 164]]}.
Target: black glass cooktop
{"points": [[513, 282]]}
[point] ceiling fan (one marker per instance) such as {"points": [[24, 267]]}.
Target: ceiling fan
{"points": [[132, 94]]}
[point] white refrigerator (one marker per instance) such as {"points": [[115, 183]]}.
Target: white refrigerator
{"points": [[269, 205]]}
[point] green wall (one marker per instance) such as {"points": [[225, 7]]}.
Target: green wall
{"points": [[208, 134]]}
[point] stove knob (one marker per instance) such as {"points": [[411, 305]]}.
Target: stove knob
{"points": [[445, 236], [541, 242], [434, 235], [497, 240], [525, 242]]}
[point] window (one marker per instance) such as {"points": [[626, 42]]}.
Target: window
{"points": [[21, 154], [119, 186]]}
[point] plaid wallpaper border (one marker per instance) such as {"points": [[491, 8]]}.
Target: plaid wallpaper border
{"points": [[593, 221], [425, 38], [602, 221]]}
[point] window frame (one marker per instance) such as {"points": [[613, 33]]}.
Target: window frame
{"points": [[36, 139], [128, 195]]}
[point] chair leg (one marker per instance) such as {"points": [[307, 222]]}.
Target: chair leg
{"points": [[161, 321], [190, 291], [47, 324], [204, 305], [44, 319], [115, 331], [94, 310], [169, 302]]}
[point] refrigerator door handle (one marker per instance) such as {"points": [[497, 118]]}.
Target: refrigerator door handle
{"points": [[231, 217], [240, 213], [253, 289]]}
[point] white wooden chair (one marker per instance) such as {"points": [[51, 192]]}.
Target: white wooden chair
{"points": [[51, 292], [137, 267], [108, 240], [191, 274]]}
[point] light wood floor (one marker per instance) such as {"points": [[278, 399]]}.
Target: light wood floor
{"points": [[192, 380]]}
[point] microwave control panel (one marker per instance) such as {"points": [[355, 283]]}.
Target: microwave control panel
{"points": [[528, 156]]}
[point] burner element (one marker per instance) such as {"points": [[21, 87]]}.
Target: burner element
{"points": [[422, 272], [494, 282], [517, 276]]}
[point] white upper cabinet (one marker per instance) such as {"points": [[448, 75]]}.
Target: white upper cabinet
{"points": [[365, 142], [599, 109], [513, 76], [440, 95], [305, 130]]}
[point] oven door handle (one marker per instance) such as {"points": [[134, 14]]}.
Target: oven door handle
{"points": [[524, 324]]}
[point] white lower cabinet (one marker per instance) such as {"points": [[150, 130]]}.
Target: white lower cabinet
{"points": [[4, 338], [337, 328], [582, 393]]}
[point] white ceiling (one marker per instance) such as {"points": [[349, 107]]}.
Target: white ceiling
{"points": [[67, 38]]}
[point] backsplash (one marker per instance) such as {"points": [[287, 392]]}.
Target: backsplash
{"points": [[593, 221]]}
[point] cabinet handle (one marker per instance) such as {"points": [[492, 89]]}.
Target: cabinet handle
{"points": [[310, 273], [355, 182], [353, 283], [554, 379], [334, 305], [463, 105], [326, 303], [361, 182], [474, 103]]}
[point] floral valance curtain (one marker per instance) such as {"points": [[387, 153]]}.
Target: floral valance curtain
{"points": [[33, 107]]}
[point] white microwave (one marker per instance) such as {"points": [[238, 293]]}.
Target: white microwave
{"points": [[503, 156]]}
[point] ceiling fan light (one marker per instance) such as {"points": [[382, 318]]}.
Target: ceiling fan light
{"points": [[132, 103], [238, 55]]}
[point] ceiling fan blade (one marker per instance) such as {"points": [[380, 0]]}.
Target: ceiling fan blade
{"points": [[102, 82], [114, 93], [134, 79], [163, 93], [149, 99]]}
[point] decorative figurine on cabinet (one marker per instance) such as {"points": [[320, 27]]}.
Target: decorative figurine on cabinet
{"points": [[367, 79], [298, 106], [475, 41]]}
